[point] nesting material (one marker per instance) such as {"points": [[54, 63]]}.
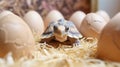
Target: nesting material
{"points": [[47, 56]]}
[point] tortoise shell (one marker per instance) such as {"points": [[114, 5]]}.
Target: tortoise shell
{"points": [[61, 32]]}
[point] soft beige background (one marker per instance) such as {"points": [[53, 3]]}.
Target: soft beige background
{"points": [[110, 6]]}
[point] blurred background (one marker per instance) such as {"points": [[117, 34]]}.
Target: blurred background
{"points": [[67, 7], [110, 6]]}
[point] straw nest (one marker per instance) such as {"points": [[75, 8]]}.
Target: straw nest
{"points": [[63, 56]]}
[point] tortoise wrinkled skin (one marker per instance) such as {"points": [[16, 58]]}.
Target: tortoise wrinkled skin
{"points": [[61, 32]]}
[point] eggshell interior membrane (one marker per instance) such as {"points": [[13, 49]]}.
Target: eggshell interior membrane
{"points": [[109, 42], [52, 16], [15, 37], [104, 14], [35, 22], [92, 25], [77, 18]]}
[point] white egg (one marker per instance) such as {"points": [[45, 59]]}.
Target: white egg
{"points": [[77, 18], [35, 22], [103, 14], [15, 37], [92, 25], [5, 13], [109, 41], [52, 16]]}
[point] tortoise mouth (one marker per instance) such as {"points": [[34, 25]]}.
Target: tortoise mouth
{"points": [[61, 38]]}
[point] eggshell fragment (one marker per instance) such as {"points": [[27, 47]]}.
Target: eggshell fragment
{"points": [[77, 18], [15, 37], [35, 22], [52, 16], [103, 14], [109, 42], [92, 25]]}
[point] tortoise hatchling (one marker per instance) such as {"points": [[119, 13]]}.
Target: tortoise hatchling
{"points": [[61, 32]]}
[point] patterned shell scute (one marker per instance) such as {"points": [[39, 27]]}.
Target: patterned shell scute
{"points": [[73, 32], [49, 31]]}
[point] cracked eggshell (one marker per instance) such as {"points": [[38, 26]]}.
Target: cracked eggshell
{"points": [[15, 37], [92, 25], [35, 22], [52, 16], [109, 41], [104, 14], [77, 18]]}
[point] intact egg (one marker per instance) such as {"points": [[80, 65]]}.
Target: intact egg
{"points": [[15, 37], [4, 13], [35, 22], [109, 41], [52, 16], [103, 14], [92, 25], [77, 18]]}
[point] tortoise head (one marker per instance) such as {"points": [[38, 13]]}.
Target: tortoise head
{"points": [[60, 31]]}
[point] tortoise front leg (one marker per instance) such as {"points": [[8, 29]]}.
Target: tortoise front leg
{"points": [[77, 43], [74, 42]]}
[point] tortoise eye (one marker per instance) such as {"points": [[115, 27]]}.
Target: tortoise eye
{"points": [[55, 27], [61, 20], [66, 29]]}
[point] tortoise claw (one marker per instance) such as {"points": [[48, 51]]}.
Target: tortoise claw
{"points": [[77, 43]]}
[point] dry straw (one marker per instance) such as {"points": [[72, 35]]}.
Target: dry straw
{"points": [[63, 56]]}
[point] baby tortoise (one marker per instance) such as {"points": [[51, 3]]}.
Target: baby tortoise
{"points": [[61, 32]]}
